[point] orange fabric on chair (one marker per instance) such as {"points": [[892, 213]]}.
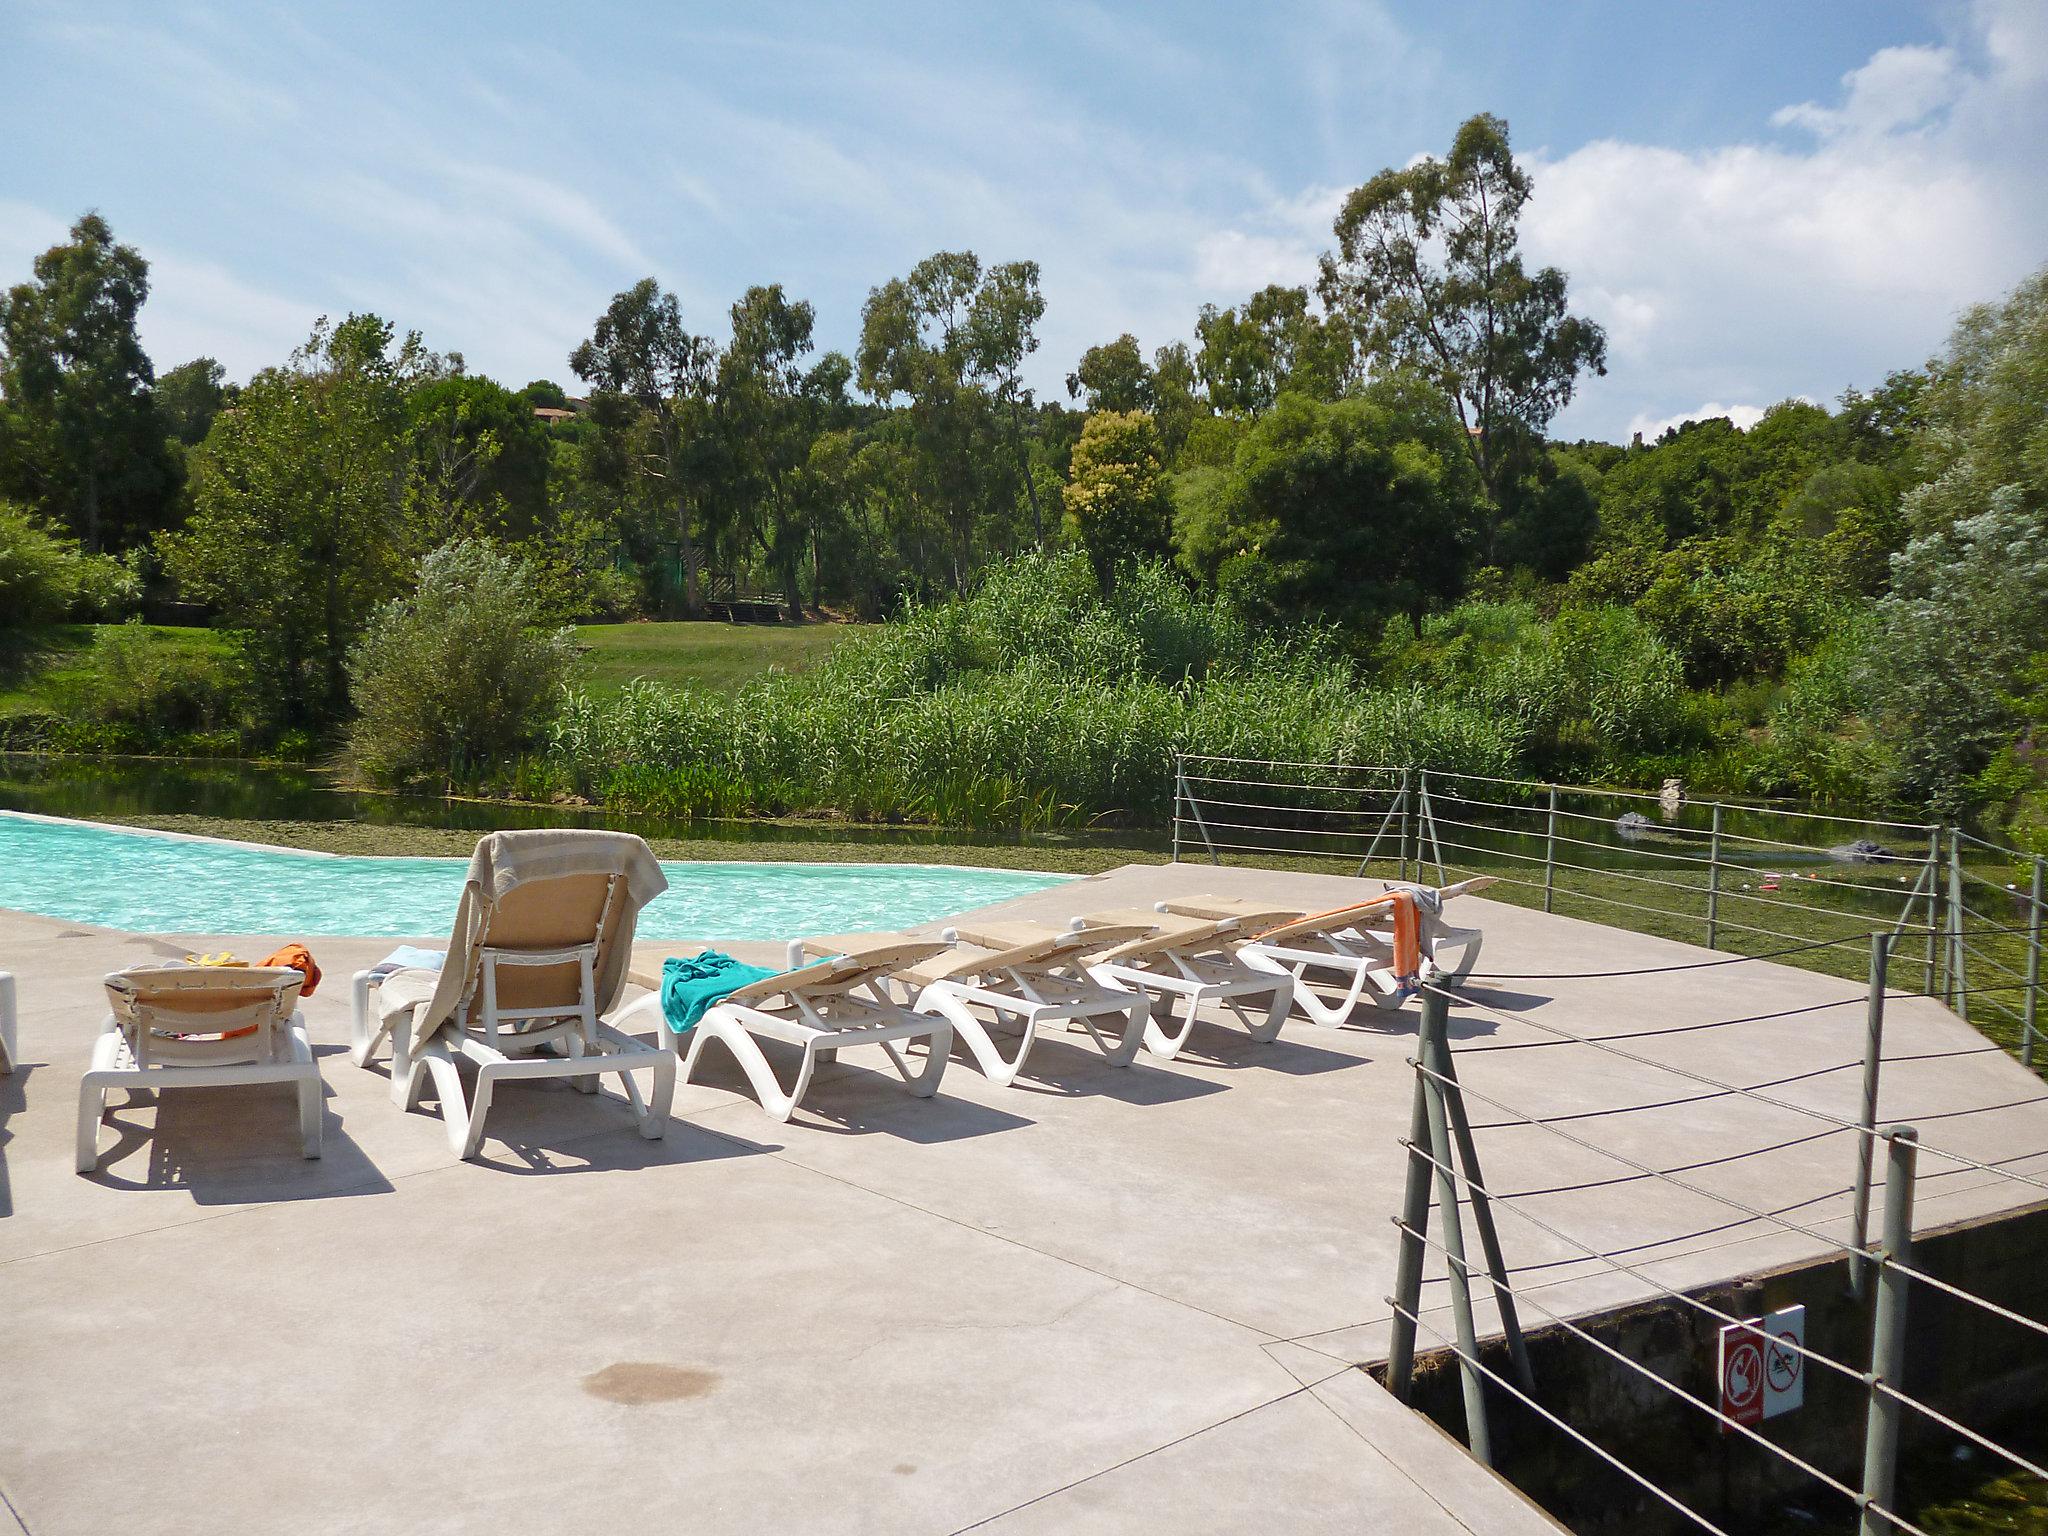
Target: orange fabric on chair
{"points": [[300, 959], [1407, 932]]}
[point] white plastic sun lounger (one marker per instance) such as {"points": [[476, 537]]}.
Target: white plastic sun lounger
{"points": [[1355, 944], [822, 1008], [200, 1026], [1033, 977], [1196, 960], [8, 1040], [542, 938]]}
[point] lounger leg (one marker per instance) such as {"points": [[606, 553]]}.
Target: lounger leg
{"points": [[1276, 1015], [973, 1034], [572, 1048], [1166, 1046], [465, 1123], [1137, 1019], [938, 1050], [362, 1037], [747, 1053], [654, 1117], [92, 1104], [310, 1114]]}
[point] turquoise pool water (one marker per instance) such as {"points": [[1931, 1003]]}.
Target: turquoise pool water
{"points": [[152, 883]]}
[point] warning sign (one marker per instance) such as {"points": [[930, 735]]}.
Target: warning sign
{"points": [[1761, 1368]]}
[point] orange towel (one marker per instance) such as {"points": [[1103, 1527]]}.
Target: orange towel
{"points": [[300, 959], [1407, 933]]}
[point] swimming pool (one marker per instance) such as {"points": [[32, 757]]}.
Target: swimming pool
{"points": [[154, 882]]}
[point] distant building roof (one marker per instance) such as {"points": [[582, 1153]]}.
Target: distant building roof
{"points": [[552, 414]]}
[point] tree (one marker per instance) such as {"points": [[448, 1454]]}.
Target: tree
{"points": [[298, 501], [1349, 511], [1113, 377], [1986, 407], [479, 463], [639, 349], [773, 410], [1116, 499], [1276, 342], [79, 440], [188, 398], [953, 340], [1428, 273], [1967, 612], [545, 392], [456, 674]]}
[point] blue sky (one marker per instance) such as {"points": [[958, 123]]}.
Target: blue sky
{"points": [[1758, 200]]}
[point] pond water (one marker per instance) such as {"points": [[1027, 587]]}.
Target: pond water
{"points": [[110, 788], [154, 882]]}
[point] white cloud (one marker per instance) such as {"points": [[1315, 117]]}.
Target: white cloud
{"points": [[1653, 427], [1760, 271]]}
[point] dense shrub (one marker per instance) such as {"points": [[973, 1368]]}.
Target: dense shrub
{"points": [[455, 675], [1036, 702], [44, 577]]}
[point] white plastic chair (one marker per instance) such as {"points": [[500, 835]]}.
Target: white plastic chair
{"points": [[1356, 944], [823, 1008], [534, 960], [1195, 960], [200, 1026], [1032, 977]]}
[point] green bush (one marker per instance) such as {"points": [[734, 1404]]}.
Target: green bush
{"points": [[1037, 702], [456, 675], [40, 571]]}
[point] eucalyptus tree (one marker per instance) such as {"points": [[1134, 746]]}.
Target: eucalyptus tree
{"points": [[1113, 377], [1429, 272], [639, 349], [79, 436], [773, 409], [1276, 341], [953, 339]]}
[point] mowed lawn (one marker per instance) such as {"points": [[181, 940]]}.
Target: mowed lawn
{"points": [[39, 666], [708, 653]]}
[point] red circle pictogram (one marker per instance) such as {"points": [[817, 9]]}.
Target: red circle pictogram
{"points": [[1742, 1375]]}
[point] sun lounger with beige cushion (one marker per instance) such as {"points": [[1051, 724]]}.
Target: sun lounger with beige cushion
{"points": [[1029, 976], [833, 1003], [1354, 943], [543, 934], [200, 1026], [1196, 960]]}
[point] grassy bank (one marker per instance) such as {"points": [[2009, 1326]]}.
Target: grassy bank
{"points": [[358, 837], [699, 654]]}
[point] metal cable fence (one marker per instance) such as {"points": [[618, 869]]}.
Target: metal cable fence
{"points": [[1966, 915], [1448, 1200]]}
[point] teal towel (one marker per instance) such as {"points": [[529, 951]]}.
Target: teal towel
{"points": [[690, 985]]}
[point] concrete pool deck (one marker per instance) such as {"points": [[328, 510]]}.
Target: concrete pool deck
{"points": [[1101, 1300]]}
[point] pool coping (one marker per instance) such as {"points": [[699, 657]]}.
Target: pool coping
{"points": [[123, 828]]}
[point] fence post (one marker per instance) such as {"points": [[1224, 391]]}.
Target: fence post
{"points": [[1714, 880], [1438, 1043], [1861, 1264], [1407, 1297], [1435, 1025], [1932, 875], [2033, 963], [1888, 1336], [1550, 851], [1180, 784], [1958, 979]]}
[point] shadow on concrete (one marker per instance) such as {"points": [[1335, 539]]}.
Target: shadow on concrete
{"points": [[1222, 1048], [851, 1099], [610, 1148], [1078, 1070], [230, 1146]]}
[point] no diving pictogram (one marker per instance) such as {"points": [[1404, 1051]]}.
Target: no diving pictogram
{"points": [[1760, 1366]]}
